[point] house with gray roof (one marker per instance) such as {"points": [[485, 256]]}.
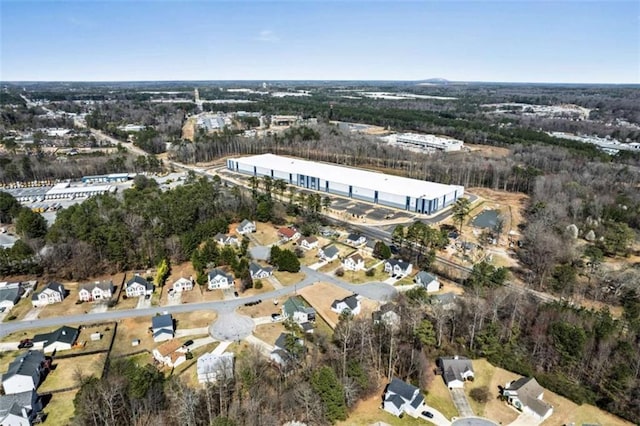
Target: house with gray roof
{"points": [[329, 253], [61, 339], [19, 409], [525, 394], [455, 370], [25, 373], [428, 281], [96, 291], [217, 278], [401, 397], [356, 239], [245, 227], [10, 294], [162, 327], [349, 304], [212, 368], [138, 287], [445, 300], [397, 267], [226, 239], [54, 292], [386, 315], [298, 310], [259, 272]]}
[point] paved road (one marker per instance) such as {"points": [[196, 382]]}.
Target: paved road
{"points": [[231, 326], [461, 402], [438, 418]]}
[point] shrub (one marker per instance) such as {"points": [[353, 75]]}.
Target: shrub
{"points": [[257, 285], [339, 272], [11, 317], [370, 272], [481, 394]]}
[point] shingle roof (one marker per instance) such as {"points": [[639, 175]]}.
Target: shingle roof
{"points": [[528, 391], [137, 279], [245, 223], [295, 304], [14, 403], [162, 321], [287, 232], [26, 364], [102, 285], [330, 251], [219, 272], [425, 277], [396, 400], [350, 301], [402, 388], [254, 268], [356, 258], [353, 237], [400, 263], [64, 334], [310, 240], [11, 293], [452, 367], [53, 286]]}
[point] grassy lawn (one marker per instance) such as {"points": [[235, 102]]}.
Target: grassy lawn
{"points": [[269, 332], [567, 412], [483, 375], [329, 267], [265, 234], [60, 409], [194, 319], [128, 303], [266, 308], [439, 398], [6, 358], [288, 278], [67, 307], [368, 412], [106, 331], [19, 310], [129, 329], [67, 370], [266, 287], [360, 277]]}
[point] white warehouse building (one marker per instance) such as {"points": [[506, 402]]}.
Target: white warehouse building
{"points": [[440, 143], [374, 187]]}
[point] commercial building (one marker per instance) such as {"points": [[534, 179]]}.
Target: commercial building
{"points": [[379, 188], [112, 177], [59, 191], [440, 143]]}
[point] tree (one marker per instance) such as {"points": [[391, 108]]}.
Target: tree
{"points": [[425, 333], [9, 207], [162, 273], [481, 394], [485, 275], [381, 250], [617, 238], [326, 384], [30, 224], [398, 235], [461, 210], [288, 261], [264, 210]]}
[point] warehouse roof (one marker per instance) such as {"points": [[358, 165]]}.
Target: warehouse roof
{"points": [[356, 177]]}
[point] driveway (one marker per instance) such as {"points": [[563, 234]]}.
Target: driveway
{"points": [[98, 307], [264, 348], [143, 303], [438, 418], [461, 402], [174, 298], [201, 342], [274, 282], [9, 346], [318, 265], [262, 320], [32, 314]]}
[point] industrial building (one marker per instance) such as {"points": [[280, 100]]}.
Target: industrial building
{"points": [[59, 191], [379, 188], [112, 177], [440, 143]]}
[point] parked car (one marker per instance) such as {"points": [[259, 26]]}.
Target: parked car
{"points": [[235, 293], [427, 414], [25, 343], [188, 343]]}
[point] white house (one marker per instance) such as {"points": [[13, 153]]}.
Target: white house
{"points": [[428, 281], [182, 284], [356, 239], [455, 370], [397, 267], [162, 327], [212, 367], [99, 290], [355, 262], [226, 239], [296, 309], [138, 286], [288, 234], [53, 293], [171, 353], [19, 409], [25, 373], [218, 279], [61, 339], [526, 395], [259, 272], [329, 253], [245, 227], [349, 304], [401, 397], [10, 294], [386, 315], [308, 243]]}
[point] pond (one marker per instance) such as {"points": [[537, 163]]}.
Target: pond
{"points": [[487, 219]]}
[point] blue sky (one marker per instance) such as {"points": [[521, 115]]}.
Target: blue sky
{"points": [[518, 41]]}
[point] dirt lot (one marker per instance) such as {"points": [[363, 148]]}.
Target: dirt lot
{"points": [[321, 295], [189, 129], [510, 204], [269, 332], [66, 371], [265, 233], [60, 409], [488, 151]]}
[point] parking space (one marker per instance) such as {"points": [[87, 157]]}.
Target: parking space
{"points": [[143, 302]]}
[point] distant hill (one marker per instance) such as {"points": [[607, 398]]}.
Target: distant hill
{"points": [[433, 82]]}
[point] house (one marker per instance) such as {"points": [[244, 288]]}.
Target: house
{"points": [[259, 272], [61, 339], [282, 358], [329, 253], [401, 397], [99, 290], [356, 239], [289, 342], [218, 279], [308, 243], [19, 409], [455, 370], [138, 286], [526, 395], [386, 315], [355, 262], [428, 281], [446, 300], [53, 293], [25, 373], [296, 309], [171, 353], [245, 227], [226, 239], [397, 267], [351, 304], [10, 294], [182, 284], [162, 327], [288, 234], [212, 367]]}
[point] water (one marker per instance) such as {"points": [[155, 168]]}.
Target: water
{"points": [[487, 219]]}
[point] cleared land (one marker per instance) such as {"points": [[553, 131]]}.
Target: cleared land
{"points": [[321, 295], [269, 332], [193, 319], [265, 234], [67, 371], [60, 409], [288, 278], [266, 287], [361, 277]]}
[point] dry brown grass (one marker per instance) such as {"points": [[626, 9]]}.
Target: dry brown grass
{"points": [[288, 278], [361, 277], [488, 151], [195, 319], [567, 412], [266, 308], [266, 287], [67, 371], [269, 332], [369, 411], [60, 409], [439, 398], [67, 307], [265, 233], [129, 329], [321, 295]]}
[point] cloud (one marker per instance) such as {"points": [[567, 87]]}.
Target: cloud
{"points": [[267, 36]]}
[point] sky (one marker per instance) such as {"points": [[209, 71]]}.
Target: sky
{"points": [[562, 41]]}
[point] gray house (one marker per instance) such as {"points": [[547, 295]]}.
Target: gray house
{"points": [[25, 373], [455, 370], [162, 327], [61, 339], [428, 281], [259, 272], [10, 294], [19, 409], [526, 395], [401, 397]]}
